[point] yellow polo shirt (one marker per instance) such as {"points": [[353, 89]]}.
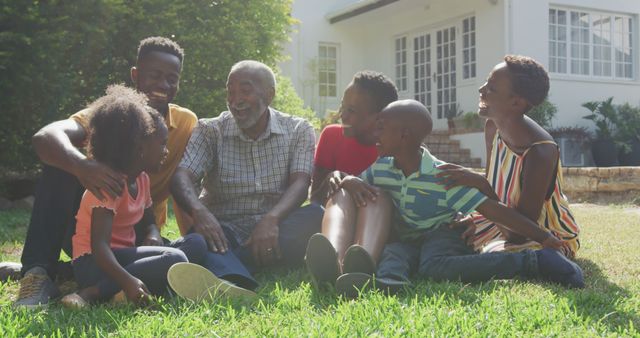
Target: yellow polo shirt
{"points": [[180, 122]]}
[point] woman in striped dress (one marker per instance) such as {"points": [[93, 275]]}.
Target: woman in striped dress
{"points": [[523, 169]]}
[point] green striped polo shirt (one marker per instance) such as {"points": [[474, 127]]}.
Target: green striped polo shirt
{"points": [[421, 202]]}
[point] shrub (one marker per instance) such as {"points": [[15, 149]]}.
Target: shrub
{"points": [[288, 101], [543, 113]]}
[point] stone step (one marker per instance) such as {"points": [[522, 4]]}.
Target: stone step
{"points": [[448, 150]]}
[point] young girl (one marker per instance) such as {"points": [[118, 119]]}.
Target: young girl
{"points": [[130, 137], [523, 169], [354, 228]]}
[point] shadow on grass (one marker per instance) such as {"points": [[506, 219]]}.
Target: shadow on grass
{"points": [[599, 299]]}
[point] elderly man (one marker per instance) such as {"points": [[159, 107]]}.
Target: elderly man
{"points": [[256, 163]]}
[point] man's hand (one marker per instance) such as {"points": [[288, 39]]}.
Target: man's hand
{"points": [[153, 238], [465, 222], [453, 175], [359, 190], [137, 292], [263, 242], [98, 178], [207, 225]]}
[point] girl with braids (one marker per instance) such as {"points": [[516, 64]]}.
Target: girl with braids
{"points": [[130, 137]]}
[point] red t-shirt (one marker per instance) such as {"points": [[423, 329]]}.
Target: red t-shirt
{"points": [[337, 152]]}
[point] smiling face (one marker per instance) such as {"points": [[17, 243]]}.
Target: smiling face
{"points": [[157, 75], [388, 133], [496, 95], [358, 115], [155, 149], [248, 97]]}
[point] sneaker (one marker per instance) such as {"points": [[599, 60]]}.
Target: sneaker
{"points": [[193, 282], [74, 301], [357, 259], [36, 289], [555, 267], [321, 260], [10, 270], [350, 285]]}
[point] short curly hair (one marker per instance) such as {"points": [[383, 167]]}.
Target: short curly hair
{"points": [[529, 78], [159, 44], [379, 86], [120, 121]]}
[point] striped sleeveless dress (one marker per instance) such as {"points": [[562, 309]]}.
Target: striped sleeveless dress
{"points": [[505, 175]]}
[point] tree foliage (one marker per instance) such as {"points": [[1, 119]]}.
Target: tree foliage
{"points": [[55, 56]]}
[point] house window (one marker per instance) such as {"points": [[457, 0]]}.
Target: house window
{"points": [[401, 63], [590, 43], [469, 48], [422, 69], [446, 70], [327, 70]]}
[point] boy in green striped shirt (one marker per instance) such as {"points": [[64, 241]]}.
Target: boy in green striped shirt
{"points": [[426, 243]]}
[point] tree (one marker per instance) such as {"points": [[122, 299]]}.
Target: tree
{"points": [[56, 56]]}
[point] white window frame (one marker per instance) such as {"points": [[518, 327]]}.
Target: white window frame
{"points": [[401, 63], [574, 53], [469, 57], [328, 69]]}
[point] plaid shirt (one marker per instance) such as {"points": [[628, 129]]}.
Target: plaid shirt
{"points": [[243, 178]]}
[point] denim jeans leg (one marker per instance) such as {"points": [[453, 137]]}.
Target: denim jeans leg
{"points": [[52, 224], [194, 247], [398, 261], [295, 231], [444, 256]]}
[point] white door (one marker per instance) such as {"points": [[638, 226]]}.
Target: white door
{"points": [[434, 72]]}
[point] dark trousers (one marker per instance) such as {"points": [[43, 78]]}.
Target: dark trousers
{"points": [[147, 263], [442, 255], [237, 264], [53, 222]]}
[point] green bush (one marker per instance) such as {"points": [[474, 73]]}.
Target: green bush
{"points": [[543, 113], [288, 101], [55, 56]]}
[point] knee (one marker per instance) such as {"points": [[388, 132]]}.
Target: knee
{"points": [[194, 247], [173, 256]]}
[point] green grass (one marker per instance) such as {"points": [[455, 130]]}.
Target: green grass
{"points": [[288, 305]]}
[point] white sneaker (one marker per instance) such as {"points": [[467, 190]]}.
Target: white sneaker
{"points": [[194, 282]]}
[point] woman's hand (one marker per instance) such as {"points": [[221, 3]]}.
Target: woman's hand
{"points": [[553, 243], [359, 190]]}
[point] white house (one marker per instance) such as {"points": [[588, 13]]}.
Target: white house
{"points": [[440, 51]]}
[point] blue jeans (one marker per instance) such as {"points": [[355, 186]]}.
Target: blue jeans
{"points": [[442, 255], [237, 265], [147, 263]]}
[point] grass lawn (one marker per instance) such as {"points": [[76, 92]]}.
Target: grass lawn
{"points": [[288, 305]]}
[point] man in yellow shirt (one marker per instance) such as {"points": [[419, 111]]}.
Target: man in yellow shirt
{"points": [[67, 172]]}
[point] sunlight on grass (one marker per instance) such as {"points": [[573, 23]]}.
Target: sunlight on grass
{"points": [[289, 306]]}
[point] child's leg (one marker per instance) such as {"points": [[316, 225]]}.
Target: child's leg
{"points": [[147, 263], [398, 261], [373, 225], [338, 222], [194, 247], [445, 256]]}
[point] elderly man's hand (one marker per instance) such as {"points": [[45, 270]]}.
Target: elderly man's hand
{"points": [[263, 243], [207, 225]]}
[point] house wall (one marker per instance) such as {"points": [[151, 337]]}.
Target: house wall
{"points": [[366, 42], [529, 36]]}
